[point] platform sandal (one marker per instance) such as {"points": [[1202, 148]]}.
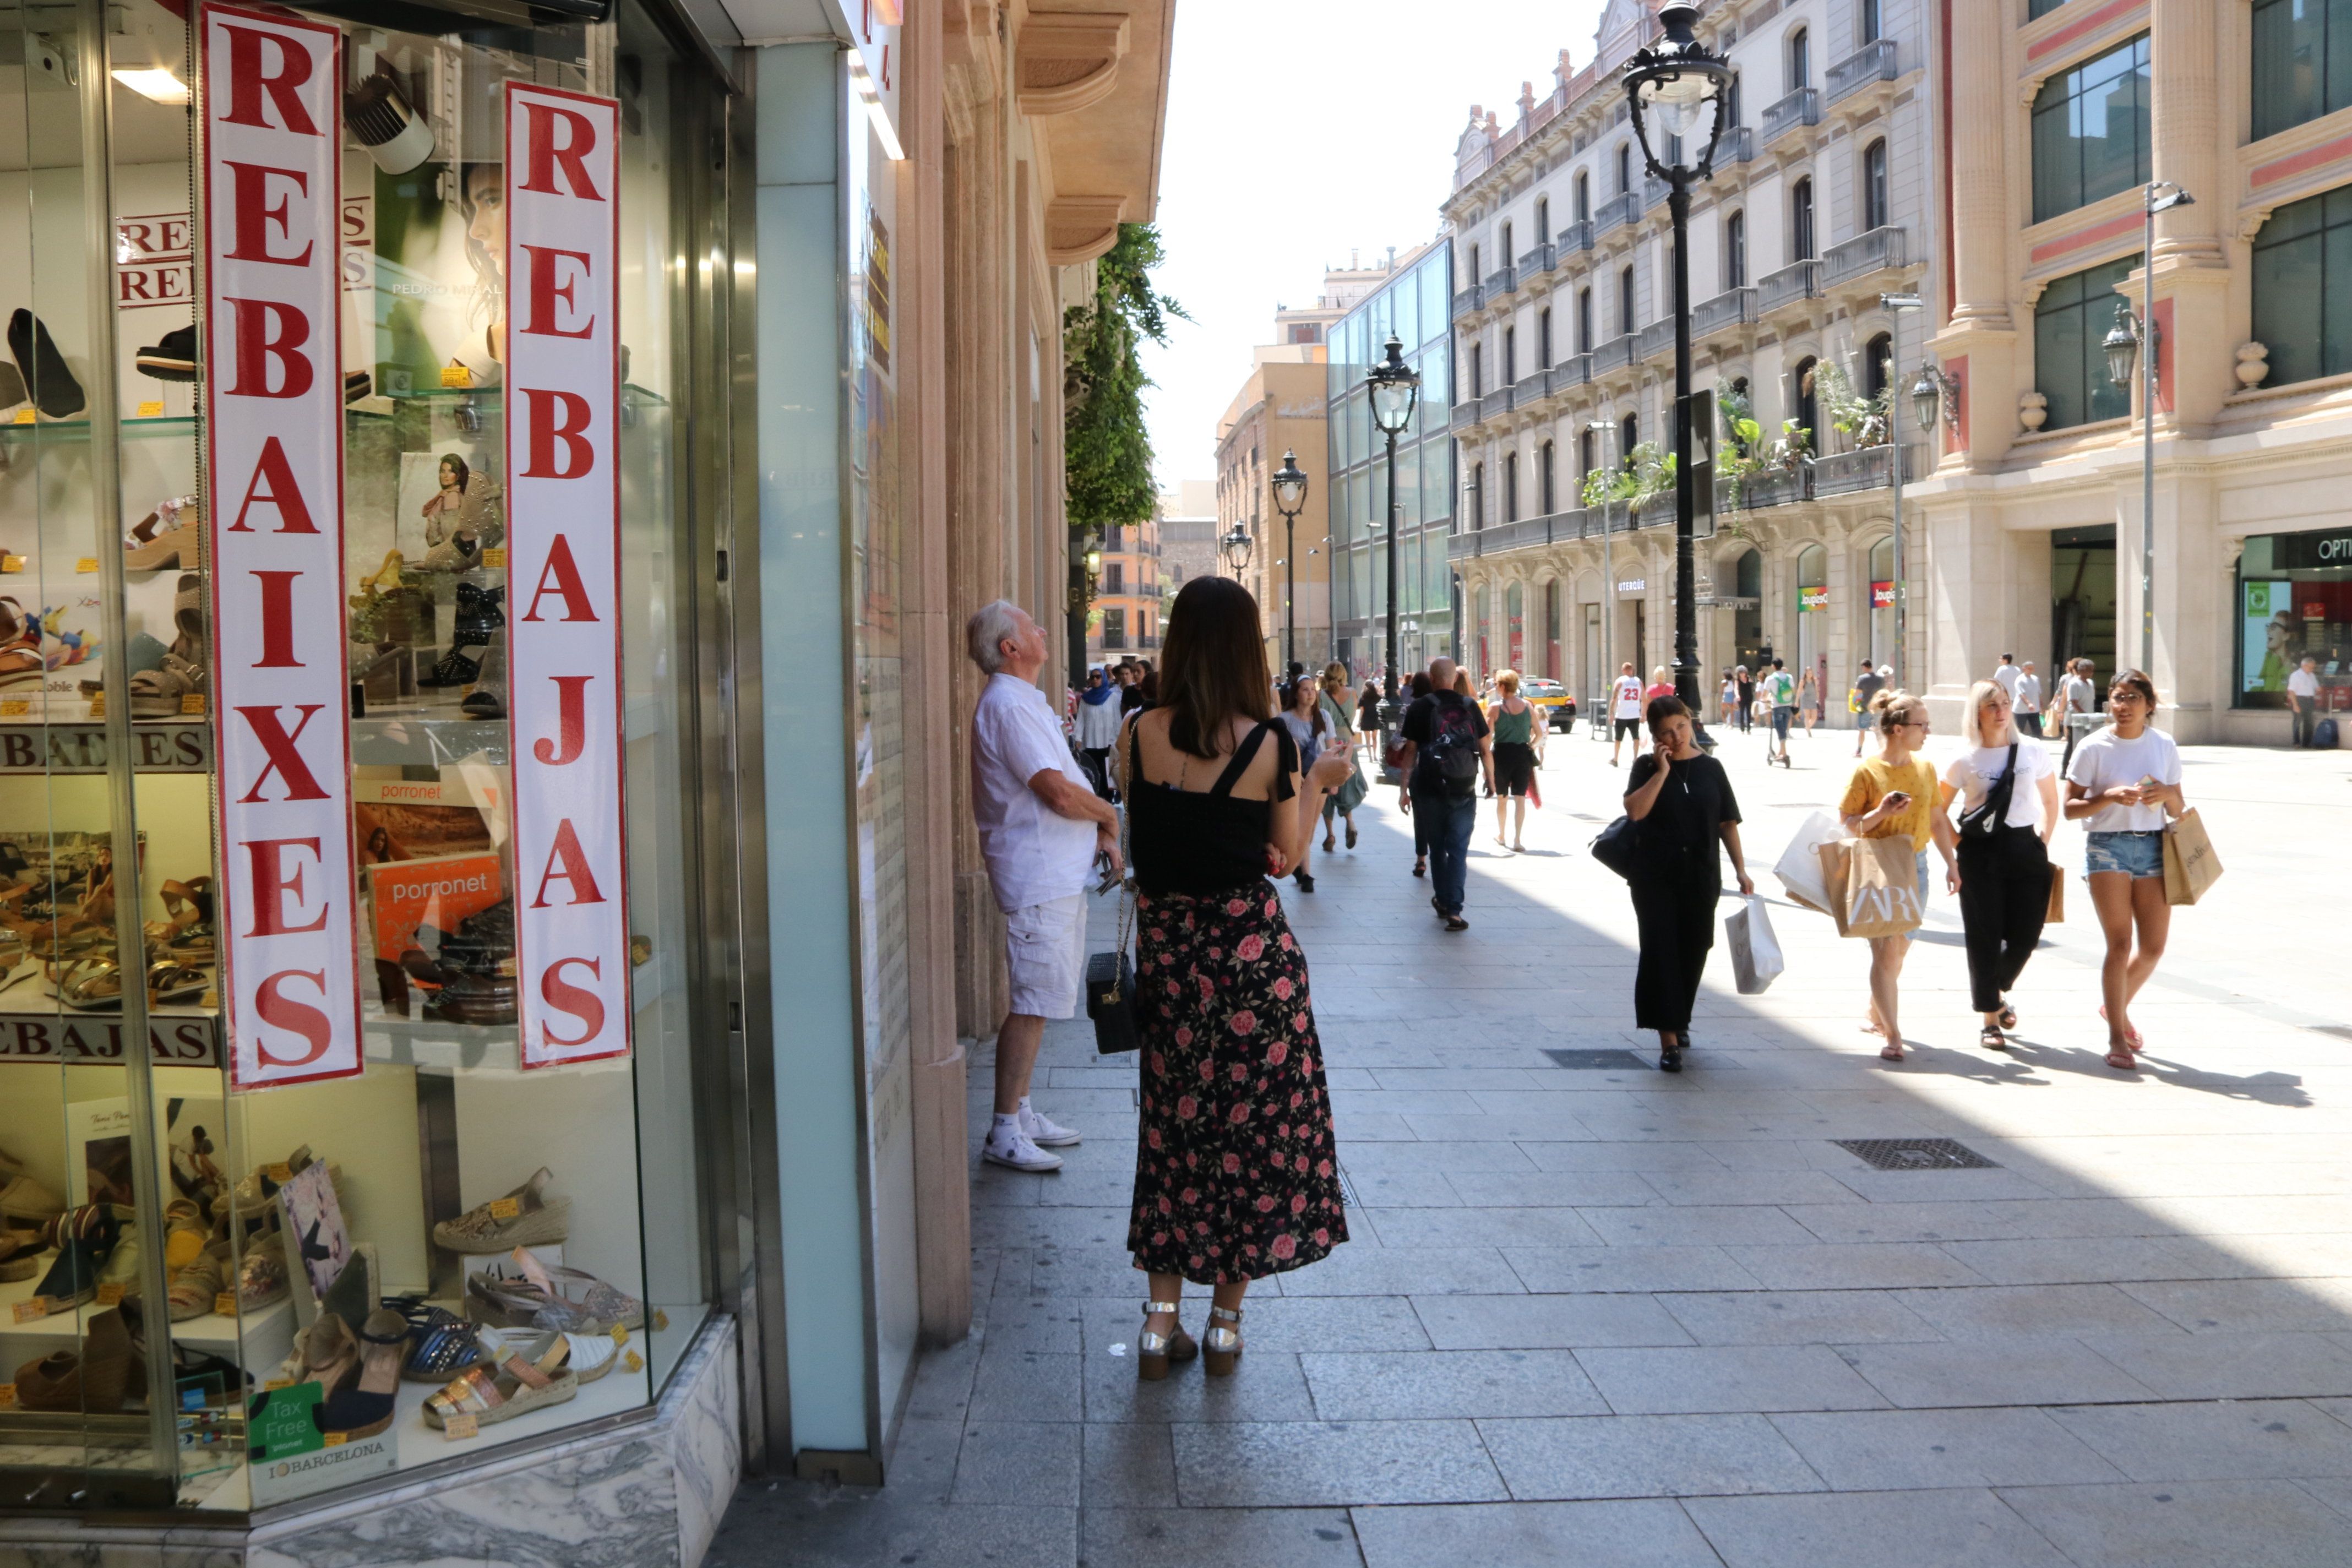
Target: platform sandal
{"points": [[362, 1405], [538, 1375], [1221, 1348], [1154, 1354]]}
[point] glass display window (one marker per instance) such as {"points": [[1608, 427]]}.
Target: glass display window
{"points": [[2294, 602], [218, 1295]]}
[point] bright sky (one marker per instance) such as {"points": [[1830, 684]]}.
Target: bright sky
{"points": [[1275, 164]]}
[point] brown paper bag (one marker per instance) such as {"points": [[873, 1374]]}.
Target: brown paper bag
{"points": [[2057, 912], [2189, 864], [1875, 885]]}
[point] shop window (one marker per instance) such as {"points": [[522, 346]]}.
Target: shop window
{"points": [[1735, 251], [2303, 287], [2091, 130], [2294, 600], [2303, 62], [1874, 185], [1801, 221], [2070, 364], [1882, 600]]}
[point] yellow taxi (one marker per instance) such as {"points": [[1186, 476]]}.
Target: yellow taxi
{"points": [[1559, 708]]}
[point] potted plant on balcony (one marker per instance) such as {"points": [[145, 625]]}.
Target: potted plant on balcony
{"points": [[1863, 421]]}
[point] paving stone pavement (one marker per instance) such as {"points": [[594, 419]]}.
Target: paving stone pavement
{"points": [[1604, 1316]]}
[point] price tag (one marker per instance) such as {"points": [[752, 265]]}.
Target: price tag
{"points": [[457, 376], [506, 968], [225, 1303], [110, 1295], [86, 565], [633, 1362], [151, 409], [281, 1172], [192, 703], [620, 1333], [13, 707], [32, 1309], [7, 1396], [455, 1428], [275, 1384], [495, 558], [212, 999], [336, 1439], [97, 706], [504, 1208], [23, 417], [12, 564], [661, 1319]]}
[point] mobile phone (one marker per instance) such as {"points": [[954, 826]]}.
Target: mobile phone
{"points": [[1898, 798]]}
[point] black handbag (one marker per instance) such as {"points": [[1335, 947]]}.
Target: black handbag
{"points": [[1985, 821], [1614, 847], [1110, 977]]}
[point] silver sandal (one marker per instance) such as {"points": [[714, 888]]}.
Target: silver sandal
{"points": [[1222, 1347], [1153, 1353]]}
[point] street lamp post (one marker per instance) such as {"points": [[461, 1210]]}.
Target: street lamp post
{"points": [[1394, 387], [2137, 339], [1895, 305], [1289, 496], [1604, 432], [1234, 545], [1676, 88]]}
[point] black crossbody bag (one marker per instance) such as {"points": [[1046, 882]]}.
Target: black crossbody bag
{"points": [[1110, 976], [1983, 824]]}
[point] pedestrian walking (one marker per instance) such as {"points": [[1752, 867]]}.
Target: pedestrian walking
{"points": [[1310, 731], [1368, 716], [1809, 700], [1681, 801], [1131, 688], [2123, 786], [1866, 685], [2078, 700], [1418, 689], [2025, 701], [1041, 829], [1236, 1172], [1892, 796], [1747, 697], [2007, 675], [1446, 753], [1728, 699], [2006, 795], [1662, 684], [1624, 709], [1512, 721], [2302, 690], [1097, 730], [1781, 695], [1341, 803]]}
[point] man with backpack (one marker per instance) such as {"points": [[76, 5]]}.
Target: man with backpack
{"points": [[1780, 688], [1445, 754]]}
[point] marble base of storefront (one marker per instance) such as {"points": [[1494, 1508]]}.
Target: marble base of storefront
{"points": [[648, 1494]]}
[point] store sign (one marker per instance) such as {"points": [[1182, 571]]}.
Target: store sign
{"points": [[1812, 601], [51, 1038], [1882, 596], [271, 173], [153, 264], [564, 567], [44, 750]]}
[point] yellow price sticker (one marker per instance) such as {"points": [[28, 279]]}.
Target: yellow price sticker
{"points": [[7, 1396], [275, 1384], [281, 1172], [86, 565], [495, 558], [13, 707], [336, 1439], [212, 999], [98, 705], [110, 1295], [457, 376], [620, 1333], [633, 1362], [225, 1303], [12, 564], [192, 703], [151, 409], [661, 1319], [455, 1428], [504, 1208], [23, 417], [506, 968], [32, 1309]]}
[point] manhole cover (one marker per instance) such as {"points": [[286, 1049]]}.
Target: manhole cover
{"points": [[1593, 1062], [1916, 1154]]}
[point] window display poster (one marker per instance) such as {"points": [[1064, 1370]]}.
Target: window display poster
{"points": [[270, 186], [563, 544], [2272, 638]]}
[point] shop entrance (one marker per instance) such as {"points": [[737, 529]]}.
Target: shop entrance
{"points": [[1593, 672], [1748, 620], [2083, 598]]}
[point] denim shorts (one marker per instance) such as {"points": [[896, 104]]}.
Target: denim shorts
{"points": [[2135, 854]]}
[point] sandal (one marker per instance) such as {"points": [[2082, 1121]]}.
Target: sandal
{"points": [[170, 984], [526, 1380], [88, 984], [362, 1404], [19, 1255], [1351, 835], [1155, 1353], [261, 1277], [168, 536], [1992, 1039], [2007, 1016], [196, 1288], [1221, 1349], [2120, 1058], [323, 1354], [441, 1345], [1891, 1052], [1420, 865], [539, 1299], [591, 1356], [534, 1220]]}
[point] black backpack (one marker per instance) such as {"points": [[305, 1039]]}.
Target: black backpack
{"points": [[1453, 749]]}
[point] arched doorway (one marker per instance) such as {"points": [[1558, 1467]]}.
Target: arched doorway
{"points": [[1514, 641], [1882, 602], [1813, 611], [1748, 618]]}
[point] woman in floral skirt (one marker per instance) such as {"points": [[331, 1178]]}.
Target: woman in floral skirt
{"points": [[1236, 1171]]}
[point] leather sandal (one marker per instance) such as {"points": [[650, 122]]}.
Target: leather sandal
{"points": [[171, 535], [1155, 1353], [529, 1379], [1221, 1349], [362, 1405]]}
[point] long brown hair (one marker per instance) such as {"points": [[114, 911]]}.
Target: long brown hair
{"points": [[1212, 666]]}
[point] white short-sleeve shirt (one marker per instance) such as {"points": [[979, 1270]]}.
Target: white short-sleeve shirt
{"points": [[2106, 759], [1033, 854], [1629, 698], [1976, 772], [2302, 683]]}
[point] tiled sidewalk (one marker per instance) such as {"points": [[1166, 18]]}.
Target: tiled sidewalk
{"points": [[1601, 1316]]}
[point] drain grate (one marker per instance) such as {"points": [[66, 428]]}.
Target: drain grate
{"points": [[1595, 1061], [1916, 1154]]}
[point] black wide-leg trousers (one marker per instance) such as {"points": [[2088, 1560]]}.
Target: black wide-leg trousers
{"points": [[2004, 899]]}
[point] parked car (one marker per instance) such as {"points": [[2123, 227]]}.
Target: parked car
{"points": [[1559, 708]]}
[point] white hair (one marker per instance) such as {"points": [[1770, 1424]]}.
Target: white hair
{"points": [[984, 634]]}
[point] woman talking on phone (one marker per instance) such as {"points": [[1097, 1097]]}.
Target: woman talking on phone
{"points": [[1891, 796], [2122, 784], [1681, 803]]}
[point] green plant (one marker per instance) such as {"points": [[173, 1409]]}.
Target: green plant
{"points": [[1647, 473], [1860, 419], [1106, 454]]}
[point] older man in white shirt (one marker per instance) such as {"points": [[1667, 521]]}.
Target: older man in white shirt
{"points": [[1040, 829]]}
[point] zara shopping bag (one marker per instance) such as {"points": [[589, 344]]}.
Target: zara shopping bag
{"points": [[1800, 866], [2189, 864], [1874, 886], [1755, 951]]}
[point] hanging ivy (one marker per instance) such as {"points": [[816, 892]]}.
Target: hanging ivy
{"points": [[1106, 456]]}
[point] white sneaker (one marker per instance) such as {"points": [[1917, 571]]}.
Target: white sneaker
{"points": [[1042, 1130], [1018, 1153]]}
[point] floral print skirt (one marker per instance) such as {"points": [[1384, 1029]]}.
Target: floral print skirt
{"points": [[1236, 1170]]}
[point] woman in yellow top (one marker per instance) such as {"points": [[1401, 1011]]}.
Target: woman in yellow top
{"points": [[1892, 796]]}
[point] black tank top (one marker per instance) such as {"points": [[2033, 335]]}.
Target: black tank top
{"points": [[1187, 842]]}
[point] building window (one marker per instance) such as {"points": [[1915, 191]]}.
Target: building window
{"points": [[1114, 578], [1583, 197], [1735, 251], [1477, 495], [1543, 338], [2070, 359], [1543, 220], [1510, 487], [1868, 19], [1114, 633], [1588, 444], [1731, 104], [1801, 221], [1475, 273], [1801, 61], [1508, 252], [2300, 70], [1624, 299], [1624, 167], [2090, 131], [1545, 492], [2037, 9], [1510, 356], [1584, 321], [1877, 365], [1477, 371], [2303, 287], [1874, 185], [1629, 436], [1803, 400]]}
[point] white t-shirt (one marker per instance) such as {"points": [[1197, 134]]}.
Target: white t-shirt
{"points": [[1034, 855], [2006, 676], [1782, 687], [1628, 697], [1977, 772], [2106, 759], [2302, 683], [2081, 697], [2025, 694]]}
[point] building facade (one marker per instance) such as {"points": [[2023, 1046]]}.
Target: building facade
{"points": [[1124, 620], [1279, 410], [2058, 114], [1821, 201], [1410, 302], [1188, 534]]}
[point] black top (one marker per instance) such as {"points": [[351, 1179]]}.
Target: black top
{"points": [[1368, 708], [1185, 841], [1867, 685], [1677, 840], [1746, 693], [1423, 720]]}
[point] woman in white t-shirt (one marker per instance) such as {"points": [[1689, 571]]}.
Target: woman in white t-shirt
{"points": [[2123, 784], [2005, 863]]}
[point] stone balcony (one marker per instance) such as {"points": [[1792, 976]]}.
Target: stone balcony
{"points": [[1614, 354], [1542, 259], [1616, 213], [1874, 62], [1467, 303], [1575, 236], [1788, 285], [1802, 107], [1874, 250], [1732, 308], [1657, 337], [1499, 282], [1738, 145]]}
